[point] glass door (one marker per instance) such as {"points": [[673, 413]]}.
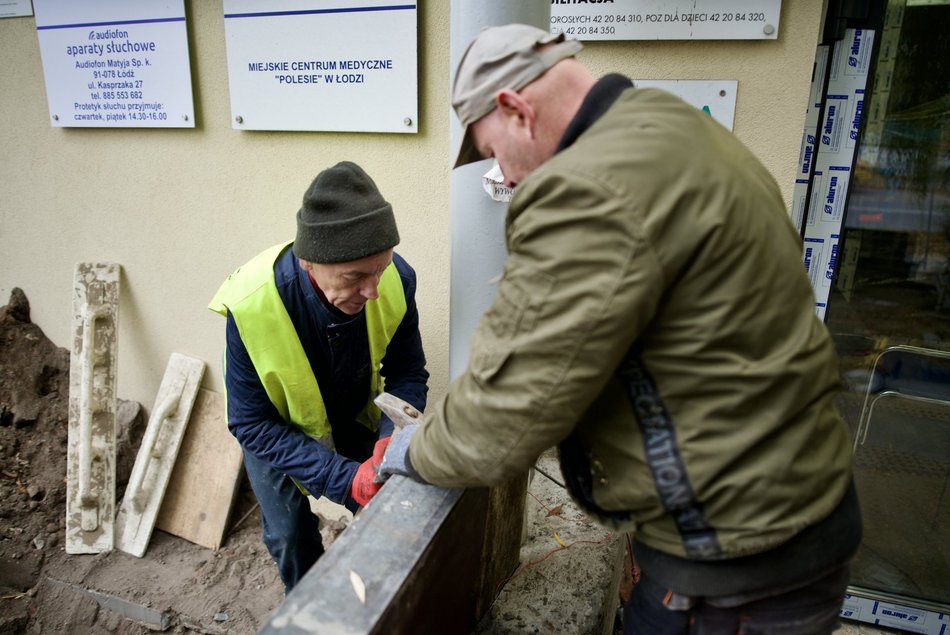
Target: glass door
{"points": [[889, 312]]}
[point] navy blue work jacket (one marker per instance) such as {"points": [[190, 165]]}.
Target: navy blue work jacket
{"points": [[338, 349]]}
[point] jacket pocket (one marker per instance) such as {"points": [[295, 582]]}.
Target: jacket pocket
{"points": [[580, 473], [486, 362], [513, 314]]}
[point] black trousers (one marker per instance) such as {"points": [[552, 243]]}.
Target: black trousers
{"points": [[811, 609]]}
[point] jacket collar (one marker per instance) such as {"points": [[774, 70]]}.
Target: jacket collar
{"points": [[600, 98]]}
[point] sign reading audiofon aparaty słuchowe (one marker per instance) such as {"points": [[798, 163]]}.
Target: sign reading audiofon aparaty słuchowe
{"points": [[115, 64]]}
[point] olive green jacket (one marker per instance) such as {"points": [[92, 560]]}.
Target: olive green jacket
{"points": [[655, 229]]}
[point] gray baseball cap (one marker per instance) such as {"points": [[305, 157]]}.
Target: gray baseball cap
{"points": [[510, 56]]}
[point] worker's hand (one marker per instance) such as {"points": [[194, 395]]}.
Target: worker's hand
{"points": [[396, 459], [366, 482]]}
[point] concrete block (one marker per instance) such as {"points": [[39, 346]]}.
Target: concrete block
{"points": [[569, 577]]}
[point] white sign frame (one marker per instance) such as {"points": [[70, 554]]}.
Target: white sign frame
{"points": [[311, 65], [716, 97], [15, 8], [116, 64], [667, 19]]}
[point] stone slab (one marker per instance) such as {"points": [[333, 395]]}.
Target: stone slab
{"points": [[569, 577]]}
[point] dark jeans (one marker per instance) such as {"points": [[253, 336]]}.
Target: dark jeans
{"points": [[808, 610], [290, 530]]}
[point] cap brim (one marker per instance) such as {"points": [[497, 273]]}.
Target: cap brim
{"points": [[467, 153]]}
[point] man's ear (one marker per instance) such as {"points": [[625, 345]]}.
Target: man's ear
{"points": [[514, 106]]}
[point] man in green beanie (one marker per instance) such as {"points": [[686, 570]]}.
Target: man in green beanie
{"points": [[315, 329]]}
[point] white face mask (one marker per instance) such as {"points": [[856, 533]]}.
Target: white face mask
{"points": [[494, 183]]}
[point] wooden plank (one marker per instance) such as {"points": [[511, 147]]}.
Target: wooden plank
{"points": [[415, 560], [503, 534], [157, 454], [205, 481], [90, 459]]}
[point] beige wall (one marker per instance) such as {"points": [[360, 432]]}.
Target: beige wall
{"points": [[179, 209], [774, 78]]}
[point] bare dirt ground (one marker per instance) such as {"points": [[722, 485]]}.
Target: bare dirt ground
{"points": [[178, 586], [189, 588]]}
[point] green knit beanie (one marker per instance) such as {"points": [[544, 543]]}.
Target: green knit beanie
{"points": [[344, 217]]}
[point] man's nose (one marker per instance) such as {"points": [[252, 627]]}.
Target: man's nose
{"points": [[370, 289]]}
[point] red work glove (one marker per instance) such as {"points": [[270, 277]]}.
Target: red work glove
{"points": [[364, 485]]}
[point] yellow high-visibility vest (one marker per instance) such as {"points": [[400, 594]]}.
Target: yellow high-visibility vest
{"points": [[250, 295]]}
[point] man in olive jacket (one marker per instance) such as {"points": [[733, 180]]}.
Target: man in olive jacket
{"points": [[655, 322]]}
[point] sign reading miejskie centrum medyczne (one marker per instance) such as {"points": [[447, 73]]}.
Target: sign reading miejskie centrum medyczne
{"points": [[309, 65], [115, 64], [666, 19]]}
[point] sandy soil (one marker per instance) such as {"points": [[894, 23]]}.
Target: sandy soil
{"points": [[44, 590]]}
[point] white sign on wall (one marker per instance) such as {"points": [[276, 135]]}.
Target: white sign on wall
{"points": [[15, 8], [667, 19], [115, 64], [315, 65], [717, 98]]}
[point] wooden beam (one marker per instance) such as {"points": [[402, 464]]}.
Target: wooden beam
{"points": [[417, 559]]}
